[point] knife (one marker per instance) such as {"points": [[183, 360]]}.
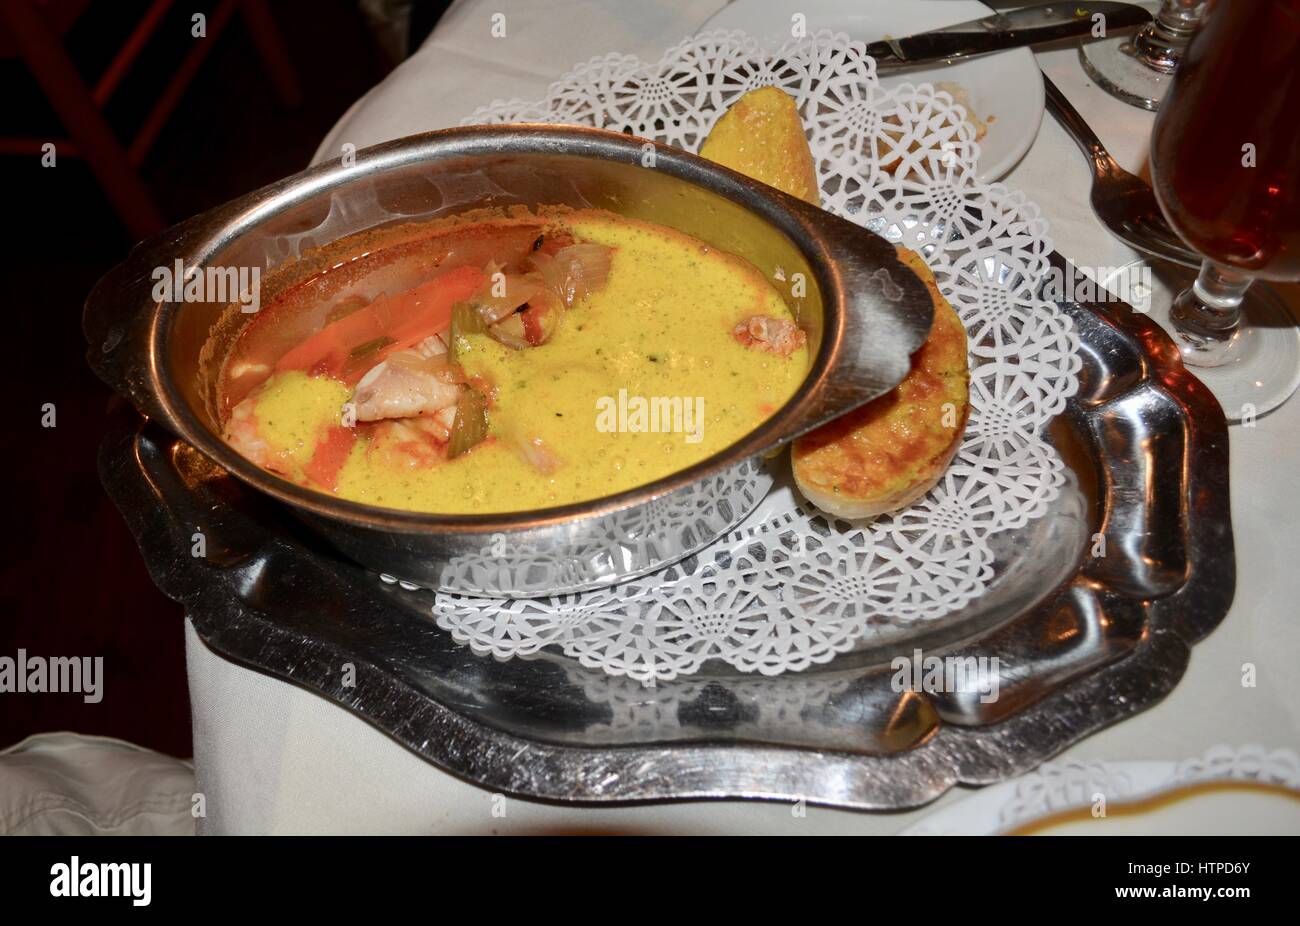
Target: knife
{"points": [[1031, 25]]}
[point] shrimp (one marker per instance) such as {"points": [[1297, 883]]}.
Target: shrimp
{"points": [[413, 441], [409, 383], [778, 336], [241, 432]]}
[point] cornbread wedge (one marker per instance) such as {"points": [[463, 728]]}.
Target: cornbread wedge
{"points": [[890, 452], [762, 136]]}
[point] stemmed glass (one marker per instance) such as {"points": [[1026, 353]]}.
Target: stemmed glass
{"points": [[1137, 69], [1225, 164]]}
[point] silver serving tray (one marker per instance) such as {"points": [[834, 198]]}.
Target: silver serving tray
{"points": [[1089, 640]]}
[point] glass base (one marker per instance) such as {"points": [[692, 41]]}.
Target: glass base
{"points": [[1262, 368], [1115, 66]]}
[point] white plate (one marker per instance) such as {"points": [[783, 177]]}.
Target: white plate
{"points": [[1248, 791], [1007, 86]]}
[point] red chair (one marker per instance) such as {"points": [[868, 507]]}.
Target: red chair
{"points": [[34, 32]]}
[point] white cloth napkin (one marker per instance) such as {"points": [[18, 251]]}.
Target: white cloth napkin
{"points": [[66, 784]]}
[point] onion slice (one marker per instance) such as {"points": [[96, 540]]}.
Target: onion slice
{"points": [[510, 331], [573, 272], [515, 291]]}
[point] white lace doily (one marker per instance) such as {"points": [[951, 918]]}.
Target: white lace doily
{"points": [[789, 588]]}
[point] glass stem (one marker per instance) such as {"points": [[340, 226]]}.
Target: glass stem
{"points": [[1160, 45], [1207, 314]]}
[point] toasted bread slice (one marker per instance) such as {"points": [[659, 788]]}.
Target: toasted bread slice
{"points": [[762, 136], [890, 452]]}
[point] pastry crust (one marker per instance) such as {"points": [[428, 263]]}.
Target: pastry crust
{"points": [[893, 450]]}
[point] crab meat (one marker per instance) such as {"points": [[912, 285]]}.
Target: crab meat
{"points": [[778, 336], [407, 384]]}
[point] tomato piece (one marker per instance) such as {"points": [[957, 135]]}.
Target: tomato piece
{"points": [[406, 319], [555, 241], [532, 319], [541, 318], [331, 453]]}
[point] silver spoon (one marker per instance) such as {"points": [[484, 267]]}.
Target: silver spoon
{"points": [[1124, 202]]}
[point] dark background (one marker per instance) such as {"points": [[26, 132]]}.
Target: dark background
{"points": [[73, 582]]}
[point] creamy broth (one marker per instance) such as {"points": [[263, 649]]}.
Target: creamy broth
{"points": [[653, 347]]}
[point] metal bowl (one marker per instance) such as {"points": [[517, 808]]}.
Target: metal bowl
{"points": [[862, 326]]}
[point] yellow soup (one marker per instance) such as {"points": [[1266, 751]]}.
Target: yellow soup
{"points": [[643, 377]]}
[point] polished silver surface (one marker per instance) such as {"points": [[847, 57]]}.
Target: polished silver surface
{"points": [[1125, 203], [1098, 606], [863, 311]]}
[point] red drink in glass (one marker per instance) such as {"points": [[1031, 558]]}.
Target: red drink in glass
{"points": [[1236, 101]]}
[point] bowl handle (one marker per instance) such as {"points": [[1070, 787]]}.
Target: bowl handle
{"points": [[878, 314], [117, 319]]}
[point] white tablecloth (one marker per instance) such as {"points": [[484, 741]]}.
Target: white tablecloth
{"points": [[272, 758]]}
